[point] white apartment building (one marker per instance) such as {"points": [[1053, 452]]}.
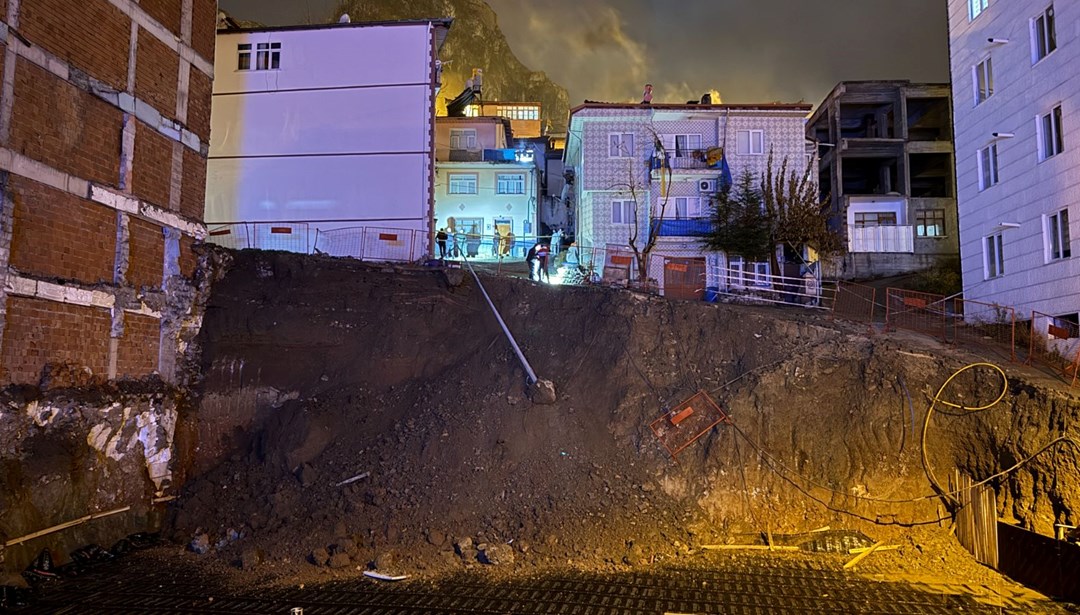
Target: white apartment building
{"points": [[313, 124], [1016, 100]]}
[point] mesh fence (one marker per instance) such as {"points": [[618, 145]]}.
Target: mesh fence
{"points": [[854, 302], [989, 325], [916, 311], [1054, 343]]}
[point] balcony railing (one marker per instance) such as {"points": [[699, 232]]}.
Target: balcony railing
{"points": [[881, 239], [681, 162], [686, 227]]}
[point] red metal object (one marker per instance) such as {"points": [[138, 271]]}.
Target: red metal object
{"points": [[681, 426]]}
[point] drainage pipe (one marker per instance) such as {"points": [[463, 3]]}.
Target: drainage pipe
{"points": [[498, 317]]}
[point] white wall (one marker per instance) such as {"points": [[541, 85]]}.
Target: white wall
{"points": [[336, 133], [486, 203], [1028, 189]]}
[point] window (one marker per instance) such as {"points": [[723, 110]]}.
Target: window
{"points": [[510, 183], [994, 260], [750, 142], [742, 273], [621, 145], [243, 60], [685, 145], [875, 218], [1049, 132], [518, 112], [1057, 236], [687, 207], [930, 222], [988, 167], [976, 7], [463, 138], [622, 212], [462, 183], [1043, 35], [984, 80], [267, 56]]}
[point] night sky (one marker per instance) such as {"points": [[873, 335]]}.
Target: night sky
{"points": [[749, 50]]}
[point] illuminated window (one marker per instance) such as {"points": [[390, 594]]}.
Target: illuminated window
{"points": [[988, 167], [621, 145], [1043, 35], [976, 7], [462, 183], [750, 142], [984, 80], [930, 222], [993, 258], [1048, 130], [622, 212], [510, 183], [463, 138], [1056, 233]]}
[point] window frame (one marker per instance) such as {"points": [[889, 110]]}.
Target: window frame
{"points": [[982, 80], [469, 134], [1056, 238], [1051, 144], [623, 152], [877, 215], [988, 167], [993, 256], [475, 181], [1043, 43], [689, 149], [927, 219], [750, 134], [687, 215], [976, 8], [243, 56], [625, 209], [518, 178]]}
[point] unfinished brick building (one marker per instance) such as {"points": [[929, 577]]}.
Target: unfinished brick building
{"points": [[104, 123]]}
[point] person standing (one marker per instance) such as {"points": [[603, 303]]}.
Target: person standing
{"points": [[542, 253], [530, 261], [646, 97], [440, 240]]}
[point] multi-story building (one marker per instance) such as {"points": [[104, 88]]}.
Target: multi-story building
{"points": [[1016, 100], [885, 161], [524, 116], [484, 185], [310, 128], [612, 148], [104, 123]]}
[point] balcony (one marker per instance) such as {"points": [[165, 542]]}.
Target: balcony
{"points": [[688, 161], [881, 239], [686, 227]]}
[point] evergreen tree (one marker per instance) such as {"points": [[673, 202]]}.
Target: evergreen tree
{"points": [[739, 226]]}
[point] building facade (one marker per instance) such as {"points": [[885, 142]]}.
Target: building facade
{"points": [[485, 188], [1016, 98], [310, 127], [612, 148], [885, 162], [104, 129], [524, 116]]}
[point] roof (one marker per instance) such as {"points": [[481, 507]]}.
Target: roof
{"points": [[589, 104], [444, 22]]}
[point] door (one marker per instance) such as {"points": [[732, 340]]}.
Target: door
{"points": [[684, 278]]}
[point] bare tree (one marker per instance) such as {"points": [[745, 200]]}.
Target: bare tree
{"points": [[636, 185]]}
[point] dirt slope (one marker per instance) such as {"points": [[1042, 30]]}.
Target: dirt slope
{"points": [[318, 370]]}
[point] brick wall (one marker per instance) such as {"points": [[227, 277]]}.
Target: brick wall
{"points": [[188, 260], [151, 173], [39, 332], [193, 195], [198, 115], [137, 355], [165, 12], [59, 235], [147, 254], [64, 127], [60, 26], [204, 28], [157, 69]]}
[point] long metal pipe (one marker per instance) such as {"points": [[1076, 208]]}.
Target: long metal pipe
{"points": [[509, 336]]}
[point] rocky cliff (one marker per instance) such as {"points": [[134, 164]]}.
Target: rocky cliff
{"points": [[475, 41]]}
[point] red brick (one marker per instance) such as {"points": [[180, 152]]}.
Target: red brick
{"points": [[157, 69], [146, 254], [165, 12], [151, 171], [64, 127], [92, 35], [204, 28], [59, 235], [40, 332], [193, 190], [188, 260], [137, 354], [198, 111]]}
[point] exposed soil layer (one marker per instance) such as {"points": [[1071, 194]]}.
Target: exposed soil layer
{"points": [[319, 371]]}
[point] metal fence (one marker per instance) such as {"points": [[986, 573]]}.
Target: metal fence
{"points": [[363, 242], [1055, 343]]}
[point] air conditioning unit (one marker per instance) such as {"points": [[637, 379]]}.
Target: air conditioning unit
{"points": [[707, 186]]}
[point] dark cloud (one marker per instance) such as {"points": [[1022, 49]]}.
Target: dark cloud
{"points": [[749, 50]]}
